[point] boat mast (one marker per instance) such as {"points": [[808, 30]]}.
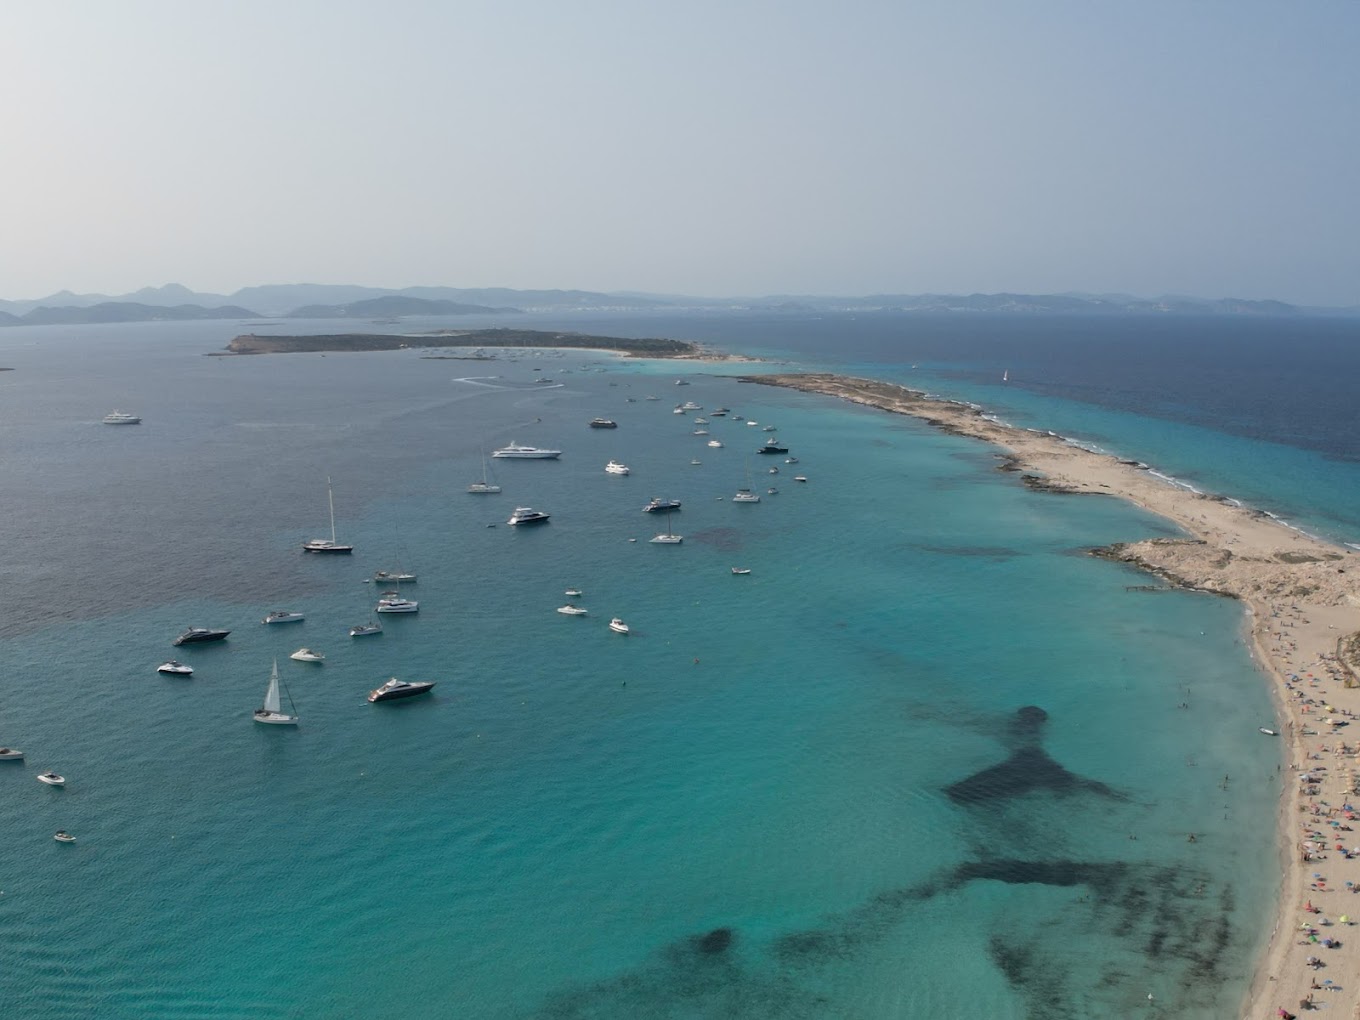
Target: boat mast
{"points": [[330, 496]]}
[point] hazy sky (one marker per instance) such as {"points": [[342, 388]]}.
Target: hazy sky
{"points": [[720, 148]]}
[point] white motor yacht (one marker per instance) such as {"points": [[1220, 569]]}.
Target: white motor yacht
{"points": [[615, 468], [284, 616], [51, 779], [573, 593], [570, 610], [391, 602], [518, 451], [174, 668], [10, 754], [307, 655], [741, 571], [62, 836], [121, 418], [394, 577], [365, 630], [618, 626], [715, 443]]}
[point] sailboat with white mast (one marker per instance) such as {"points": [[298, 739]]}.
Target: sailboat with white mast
{"points": [[484, 486], [744, 494], [272, 709], [330, 545]]}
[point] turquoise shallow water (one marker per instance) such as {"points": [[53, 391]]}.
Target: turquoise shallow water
{"points": [[773, 799]]}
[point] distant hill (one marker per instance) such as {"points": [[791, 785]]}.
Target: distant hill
{"points": [[389, 306], [312, 300], [128, 311]]}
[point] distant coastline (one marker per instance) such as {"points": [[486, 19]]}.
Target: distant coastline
{"points": [[650, 347]]}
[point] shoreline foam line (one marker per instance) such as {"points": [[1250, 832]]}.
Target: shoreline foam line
{"points": [[1302, 601]]}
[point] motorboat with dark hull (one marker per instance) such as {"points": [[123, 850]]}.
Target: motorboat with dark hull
{"points": [[603, 423], [527, 515], [661, 506], [395, 690], [197, 635], [772, 446]]}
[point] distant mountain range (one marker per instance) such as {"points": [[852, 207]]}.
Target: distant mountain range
{"points": [[325, 301]]}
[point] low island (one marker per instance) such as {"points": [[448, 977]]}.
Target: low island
{"points": [[1302, 597], [646, 347]]}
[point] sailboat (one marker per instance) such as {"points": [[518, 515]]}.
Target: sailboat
{"points": [[484, 486], [272, 709], [745, 495], [322, 545], [669, 538]]}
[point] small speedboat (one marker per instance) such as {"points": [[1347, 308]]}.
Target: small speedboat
{"points": [[573, 593], [365, 629], [1269, 733], [715, 443], [618, 626], [174, 668], [284, 616], [790, 460], [800, 478], [695, 462], [62, 836], [51, 779], [741, 571], [307, 655], [570, 610], [10, 754], [395, 689]]}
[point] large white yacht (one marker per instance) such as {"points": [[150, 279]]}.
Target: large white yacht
{"points": [[519, 451], [615, 468], [121, 418], [391, 602]]}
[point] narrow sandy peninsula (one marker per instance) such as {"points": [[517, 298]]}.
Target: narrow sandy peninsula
{"points": [[1302, 597]]}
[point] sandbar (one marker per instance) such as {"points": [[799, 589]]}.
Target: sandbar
{"points": [[1302, 606]]}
